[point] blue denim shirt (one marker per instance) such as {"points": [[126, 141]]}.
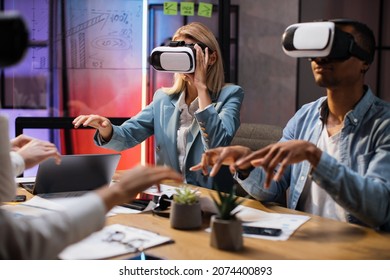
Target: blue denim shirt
{"points": [[359, 182]]}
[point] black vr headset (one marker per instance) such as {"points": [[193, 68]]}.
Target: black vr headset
{"points": [[321, 39], [177, 57]]}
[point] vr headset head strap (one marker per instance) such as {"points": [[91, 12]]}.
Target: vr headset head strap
{"points": [[183, 44], [176, 44], [353, 48]]}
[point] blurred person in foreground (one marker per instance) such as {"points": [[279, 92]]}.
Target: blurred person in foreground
{"points": [[46, 236]]}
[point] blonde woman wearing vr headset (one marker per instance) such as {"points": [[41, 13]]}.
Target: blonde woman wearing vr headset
{"points": [[334, 157], [197, 113]]}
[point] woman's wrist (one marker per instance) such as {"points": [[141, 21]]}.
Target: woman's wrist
{"points": [[106, 136]]}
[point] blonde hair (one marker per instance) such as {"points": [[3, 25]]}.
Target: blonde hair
{"points": [[215, 76]]}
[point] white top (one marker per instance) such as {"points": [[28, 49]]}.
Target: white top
{"points": [[42, 237], [187, 118], [17, 163], [7, 178], [316, 200]]}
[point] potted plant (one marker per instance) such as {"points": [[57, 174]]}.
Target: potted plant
{"points": [[185, 209], [226, 228]]}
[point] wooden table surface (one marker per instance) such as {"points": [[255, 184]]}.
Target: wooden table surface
{"points": [[318, 238]]}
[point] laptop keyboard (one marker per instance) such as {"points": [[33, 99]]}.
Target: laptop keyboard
{"points": [[62, 194], [30, 187]]}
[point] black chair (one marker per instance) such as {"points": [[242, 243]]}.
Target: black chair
{"points": [[22, 123], [52, 123]]}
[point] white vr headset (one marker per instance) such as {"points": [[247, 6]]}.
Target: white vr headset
{"points": [[321, 39], [178, 57]]}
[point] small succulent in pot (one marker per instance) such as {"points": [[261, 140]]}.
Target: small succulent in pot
{"points": [[186, 195], [185, 209]]}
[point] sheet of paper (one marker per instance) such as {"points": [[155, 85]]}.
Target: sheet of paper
{"points": [[121, 210], [21, 210], [207, 205], [25, 179], [35, 207], [99, 245], [288, 223], [164, 189]]}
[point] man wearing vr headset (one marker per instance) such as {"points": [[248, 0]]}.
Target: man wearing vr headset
{"points": [[198, 112], [334, 156]]}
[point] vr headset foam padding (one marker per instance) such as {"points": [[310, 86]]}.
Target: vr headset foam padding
{"points": [[178, 57], [321, 39]]}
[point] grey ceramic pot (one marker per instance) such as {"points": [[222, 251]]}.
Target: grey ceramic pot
{"points": [[184, 216], [226, 234]]}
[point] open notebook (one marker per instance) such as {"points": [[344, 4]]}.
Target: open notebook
{"points": [[114, 240], [75, 175]]}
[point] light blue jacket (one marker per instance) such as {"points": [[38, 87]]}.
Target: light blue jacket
{"points": [[359, 182], [215, 126]]}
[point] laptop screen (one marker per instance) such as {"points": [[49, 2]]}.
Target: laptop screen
{"points": [[75, 173]]}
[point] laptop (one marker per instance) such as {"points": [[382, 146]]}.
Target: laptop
{"points": [[75, 175]]}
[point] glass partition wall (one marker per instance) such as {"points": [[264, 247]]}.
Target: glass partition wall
{"points": [[91, 59]]}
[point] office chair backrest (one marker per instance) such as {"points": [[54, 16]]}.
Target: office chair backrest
{"points": [[256, 136]]}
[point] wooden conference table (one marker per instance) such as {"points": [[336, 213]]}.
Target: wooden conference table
{"points": [[318, 238]]}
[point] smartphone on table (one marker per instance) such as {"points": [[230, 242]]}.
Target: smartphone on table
{"points": [[266, 231], [19, 198]]}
